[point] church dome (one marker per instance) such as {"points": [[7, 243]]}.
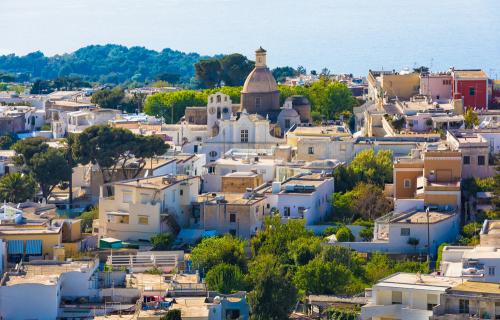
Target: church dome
{"points": [[260, 80]]}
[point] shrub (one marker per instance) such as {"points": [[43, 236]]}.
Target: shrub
{"points": [[344, 234]]}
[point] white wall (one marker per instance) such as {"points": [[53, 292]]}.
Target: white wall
{"points": [[30, 301]]}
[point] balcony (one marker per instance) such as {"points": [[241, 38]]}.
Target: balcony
{"points": [[397, 311]]}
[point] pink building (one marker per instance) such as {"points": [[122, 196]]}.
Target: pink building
{"points": [[436, 85]]}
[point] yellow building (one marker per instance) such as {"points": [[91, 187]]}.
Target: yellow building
{"points": [[240, 214], [28, 236], [240, 181], [432, 175]]}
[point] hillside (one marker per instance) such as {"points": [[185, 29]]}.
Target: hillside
{"points": [[105, 64]]}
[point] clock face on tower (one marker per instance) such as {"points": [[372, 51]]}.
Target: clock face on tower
{"points": [[211, 110]]}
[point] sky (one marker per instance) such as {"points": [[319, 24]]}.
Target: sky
{"points": [[343, 35]]}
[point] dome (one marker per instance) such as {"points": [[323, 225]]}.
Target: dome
{"points": [[260, 80]]}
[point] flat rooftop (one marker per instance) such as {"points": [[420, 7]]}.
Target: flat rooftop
{"points": [[230, 198], [414, 281], [158, 182], [478, 287], [493, 227], [47, 273], [242, 174], [329, 130], [420, 217], [470, 74]]}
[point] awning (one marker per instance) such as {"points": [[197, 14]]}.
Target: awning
{"points": [[34, 247], [15, 246]]}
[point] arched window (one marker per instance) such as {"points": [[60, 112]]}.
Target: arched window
{"points": [[257, 103], [212, 154]]}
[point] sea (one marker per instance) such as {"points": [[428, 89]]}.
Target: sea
{"points": [[345, 36]]}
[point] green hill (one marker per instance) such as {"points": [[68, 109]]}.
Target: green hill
{"points": [[113, 64]]}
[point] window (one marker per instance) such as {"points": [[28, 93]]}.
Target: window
{"points": [[123, 219], [219, 99], [181, 192], [173, 196], [143, 220], [127, 196], [257, 103], [268, 206], [286, 211], [232, 217], [211, 170], [145, 198], [432, 301], [446, 82], [405, 232], [472, 91], [244, 135], [480, 160], [310, 150], [463, 306], [212, 154], [397, 297], [466, 159], [491, 271], [407, 183], [287, 123]]}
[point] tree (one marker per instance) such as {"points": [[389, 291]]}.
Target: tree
{"points": [[378, 267], [366, 233], [172, 78], [330, 97], [87, 218], [235, 68], [50, 168], [161, 241], [373, 168], [112, 149], [413, 242], [208, 72], [471, 118], [273, 295], [320, 277], [173, 314], [41, 87], [344, 234], [7, 141], [109, 98], [305, 249], [276, 238], [17, 187], [369, 201], [281, 73], [216, 250], [27, 148], [225, 278], [172, 105]]}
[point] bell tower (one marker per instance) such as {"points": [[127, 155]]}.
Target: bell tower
{"points": [[260, 58]]}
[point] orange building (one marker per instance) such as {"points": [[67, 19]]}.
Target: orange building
{"points": [[432, 174]]}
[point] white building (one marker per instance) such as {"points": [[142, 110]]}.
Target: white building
{"points": [[305, 196], [406, 296], [35, 290], [220, 167], [138, 209], [243, 131], [392, 232], [77, 121], [479, 263]]}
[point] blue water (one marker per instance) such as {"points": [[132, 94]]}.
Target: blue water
{"points": [[343, 35]]}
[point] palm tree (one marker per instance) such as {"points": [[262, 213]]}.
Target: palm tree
{"points": [[17, 187]]}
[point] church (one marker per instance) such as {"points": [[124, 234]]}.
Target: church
{"points": [[257, 122]]}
